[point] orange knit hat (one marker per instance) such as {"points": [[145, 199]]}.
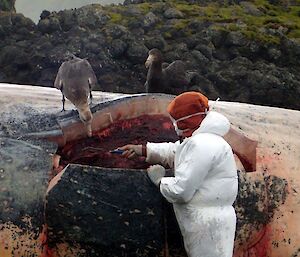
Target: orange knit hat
{"points": [[186, 104]]}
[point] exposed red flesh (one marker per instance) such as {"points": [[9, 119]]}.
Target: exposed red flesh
{"points": [[94, 151]]}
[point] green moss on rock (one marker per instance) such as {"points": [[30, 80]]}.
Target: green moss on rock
{"points": [[276, 16], [7, 5]]}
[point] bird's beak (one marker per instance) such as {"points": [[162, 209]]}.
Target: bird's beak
{"points": [[149, 61], [89, 130], [86, 117]]}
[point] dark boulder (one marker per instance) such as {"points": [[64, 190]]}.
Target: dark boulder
{"points": [[20, 21], [204, 86], [251, 9], [156, 41], [15, 57], [150, 20], [49, 25], [7, 5], [137, 52], [118, 48], [91, 16], [235, 38], [128, 2], [218, 37], [173, 13], [45, 14], [200, 57], [67, 19], [274, 53], [116, 31], [206, 50]]}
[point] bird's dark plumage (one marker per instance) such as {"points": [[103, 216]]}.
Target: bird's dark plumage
{"points": [[163, 78]]}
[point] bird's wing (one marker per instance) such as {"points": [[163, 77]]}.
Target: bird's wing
{"points": [[89, 73], [175, 74], [59, 77], [176, 68], [164, 65]]}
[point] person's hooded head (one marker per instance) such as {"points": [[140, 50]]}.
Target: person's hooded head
{"points": [[187, 111]]}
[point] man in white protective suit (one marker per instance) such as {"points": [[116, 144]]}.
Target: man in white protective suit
{"points": [[205, 183]]}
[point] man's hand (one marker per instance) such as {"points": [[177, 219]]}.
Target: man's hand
{"points": [[131, 151], [156, 173]]}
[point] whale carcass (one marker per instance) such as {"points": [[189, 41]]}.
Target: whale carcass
{"points": [[105, 210]]}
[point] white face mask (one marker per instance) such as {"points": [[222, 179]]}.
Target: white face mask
{"points": [[178, 131]]}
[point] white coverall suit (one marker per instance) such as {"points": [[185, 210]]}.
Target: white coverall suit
{"points": [[204, 187]]}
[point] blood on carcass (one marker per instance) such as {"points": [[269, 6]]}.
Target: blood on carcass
{"points": [[94, 151]]}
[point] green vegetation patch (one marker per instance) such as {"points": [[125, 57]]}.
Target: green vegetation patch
{"points": [[5, 5], [146, 7], [280, 17], [275, 18], [115, 13], [115, 17], [188, 9]]}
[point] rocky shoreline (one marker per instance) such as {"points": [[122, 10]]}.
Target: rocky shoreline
{"points": [[234, 61]]}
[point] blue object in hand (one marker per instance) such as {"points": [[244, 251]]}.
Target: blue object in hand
{"points": [[117, 151]]}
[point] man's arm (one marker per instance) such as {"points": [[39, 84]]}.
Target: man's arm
{"points": [[161, 153], [195, 162]]}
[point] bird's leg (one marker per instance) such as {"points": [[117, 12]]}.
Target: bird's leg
{"points": [[63, 103], [91, 96], [146, 85], [63, 100]]}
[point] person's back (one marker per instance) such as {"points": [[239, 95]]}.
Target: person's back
{"points": [[219, 187]]}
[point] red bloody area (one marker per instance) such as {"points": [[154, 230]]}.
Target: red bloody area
{"points": [[94, 151], [261, 247], [46, 251]]}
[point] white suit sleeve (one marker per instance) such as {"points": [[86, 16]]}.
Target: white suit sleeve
{"points": [[161, 153], [194, 163]]}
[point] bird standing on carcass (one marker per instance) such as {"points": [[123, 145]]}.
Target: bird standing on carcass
{"points": [[76, 79]]}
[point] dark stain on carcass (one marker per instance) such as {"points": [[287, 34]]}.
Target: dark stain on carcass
{"points": [[277, 189], [297, 253], [110, 212], [24, 174], [256, 204], [22, 119]]}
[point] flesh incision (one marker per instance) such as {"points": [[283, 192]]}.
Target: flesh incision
{"points": [[94, 151]]}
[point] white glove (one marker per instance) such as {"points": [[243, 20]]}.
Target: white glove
{"points": [[156, 173], [131, 151]]}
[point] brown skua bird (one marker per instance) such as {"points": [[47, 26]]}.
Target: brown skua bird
{"points": [[76, 79]]}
